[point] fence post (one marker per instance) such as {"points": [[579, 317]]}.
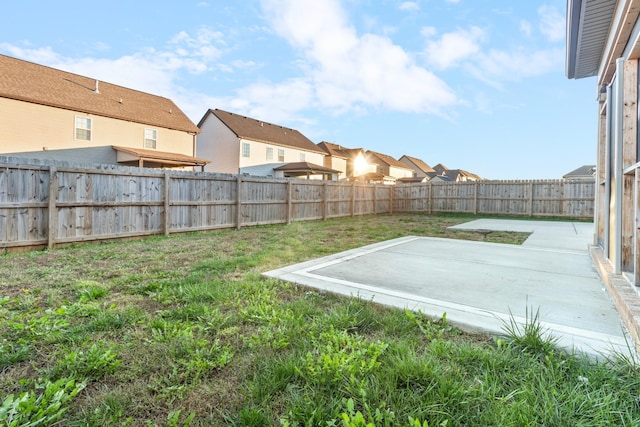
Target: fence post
{"points": [[531, 198], [239, 203], [353, 198], [475, 198], [430, 211], [375, 199], [53, 209], [289, 204], [167, 203], [391, 187], [325, 202]]}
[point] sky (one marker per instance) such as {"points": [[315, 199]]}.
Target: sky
{"points": [[477, 85]]}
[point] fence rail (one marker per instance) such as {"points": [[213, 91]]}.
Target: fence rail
{"points": [[47, 205]]}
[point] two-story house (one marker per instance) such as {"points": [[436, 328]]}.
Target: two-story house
{"points": [[420, 168], [355, 161], [46, 113], [389, 167], [242, 145]]}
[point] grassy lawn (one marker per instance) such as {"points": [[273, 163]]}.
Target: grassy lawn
{"points": [[183, 331]]}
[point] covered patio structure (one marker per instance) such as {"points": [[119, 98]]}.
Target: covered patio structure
{"points": [[143, 158]]}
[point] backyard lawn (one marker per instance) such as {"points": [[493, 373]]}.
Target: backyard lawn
{"points": [[183, 330]]}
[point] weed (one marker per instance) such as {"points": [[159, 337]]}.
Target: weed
{"points": [[91, 364], [338, 355], [530, 337], [46, 408]]}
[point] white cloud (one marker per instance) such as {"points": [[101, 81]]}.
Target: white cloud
{"points": [[552, 23], [274, 102], [497, 66], [409, 6], [453, 1], [452, 48], [526, 28], [428, 31], [349, 71]]}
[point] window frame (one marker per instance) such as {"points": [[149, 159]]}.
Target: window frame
{"points": [[303, 157], [281, 154], [88, 130], [269, 154], [154, 139], [246, 150]]}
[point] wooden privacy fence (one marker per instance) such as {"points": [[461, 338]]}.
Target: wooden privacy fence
{"points": [[557, 198], [45, 205]]}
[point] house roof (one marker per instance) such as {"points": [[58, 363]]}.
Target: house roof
{"points": [[261, 131], [411, 180], [311, 168], [333, 150], [582, 171], [160, 158], [440, 168], [588, 24], [38, 84], [420, 164], [388, 160]]}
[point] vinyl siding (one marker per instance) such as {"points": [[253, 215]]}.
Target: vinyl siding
{"points": [[27, 127]]}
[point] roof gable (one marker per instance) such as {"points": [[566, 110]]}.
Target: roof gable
{"points": [[388, 160], [258, 130], [333, 150], [420, 164], [38, 84]]}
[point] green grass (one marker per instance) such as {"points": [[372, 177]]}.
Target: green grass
{"points": [[183, 331]]}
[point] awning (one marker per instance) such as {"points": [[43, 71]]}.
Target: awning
{"points": [[305, 169], [155, 159]]}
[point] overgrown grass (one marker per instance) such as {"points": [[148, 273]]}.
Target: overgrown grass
{"points": [[184, 331]]}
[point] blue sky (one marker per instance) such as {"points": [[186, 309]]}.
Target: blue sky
{"points": [[473, 84]]}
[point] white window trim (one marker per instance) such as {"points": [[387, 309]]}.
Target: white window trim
{"points": [[155, 141], [269, 150], [281, 150], [75, 128], [248, 155]]}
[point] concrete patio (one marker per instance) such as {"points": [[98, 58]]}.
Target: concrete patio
{"points": [[482, 285]]}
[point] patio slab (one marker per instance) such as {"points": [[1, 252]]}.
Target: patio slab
{"points": [[481, 285]]}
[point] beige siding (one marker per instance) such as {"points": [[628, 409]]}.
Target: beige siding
{"points": [[258, 155], [400, 172], [26, 127], [218, 143]]}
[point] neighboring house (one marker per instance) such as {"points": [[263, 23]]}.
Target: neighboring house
{"points": [[453, 175], [420, 168], [357, 167], [335, 158], [602, 41], [441, 178], [52, 114], [440, 169], [389, 167], [242, 145], [583, 172]]}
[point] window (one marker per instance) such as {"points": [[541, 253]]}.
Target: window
{"points": [[150, 138], [83, 128], [246, 149], [281, 154], [269, 153], [302, 157]]}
